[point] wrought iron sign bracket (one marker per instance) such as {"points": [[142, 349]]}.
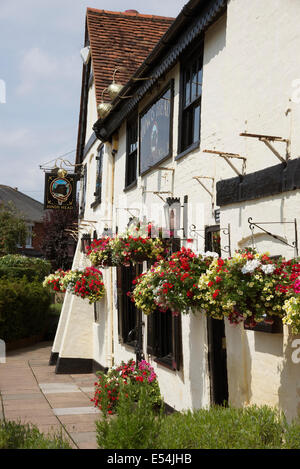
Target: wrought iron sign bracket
{"points": [[227, 157], [193, 230], [267, 139], [225, 231], [294, 243]]}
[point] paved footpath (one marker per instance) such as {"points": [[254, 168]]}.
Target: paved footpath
{"points": [[31, 392]]}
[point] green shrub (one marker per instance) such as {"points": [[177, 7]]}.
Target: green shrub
{"points": [[136, 425], [52, 321], [224, 428], [18, 272], [292, 436], [137, 376], [16, 265], [24, 308], [14, 435], [217, 428]]}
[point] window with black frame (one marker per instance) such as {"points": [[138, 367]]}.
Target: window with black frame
{"points": [[128, 315], [98, 187], [164, 338], [190, 104], [131, 153]]}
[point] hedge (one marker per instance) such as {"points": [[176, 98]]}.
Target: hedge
{"points": [[18, 272], [16, 265], [24, 307]]}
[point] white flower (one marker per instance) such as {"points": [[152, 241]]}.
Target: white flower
{"points": [[211, 254], [250, 266], [268, 269]]}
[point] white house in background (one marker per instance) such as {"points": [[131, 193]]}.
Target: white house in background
{"points": [[210, 120]]}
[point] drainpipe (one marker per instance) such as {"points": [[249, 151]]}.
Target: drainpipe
{"points": [[114, 149]]}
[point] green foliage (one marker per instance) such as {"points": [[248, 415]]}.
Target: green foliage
{"points": [[126, 376], [228, 428], [24, 308], [18, 265], [14, 435], [13, 229], [52, 321], [136, 425], [292, 435], [217, 428]]}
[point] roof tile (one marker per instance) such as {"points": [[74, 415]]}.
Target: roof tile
{"points": [[121, 40]]}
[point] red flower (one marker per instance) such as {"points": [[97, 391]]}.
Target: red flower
{"points": [[216, 293]]}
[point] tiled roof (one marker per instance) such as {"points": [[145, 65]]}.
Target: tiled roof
{"points": [[121, 40], [31, 209]]}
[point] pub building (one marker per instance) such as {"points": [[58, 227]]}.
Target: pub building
{"points": [[206, 123]]}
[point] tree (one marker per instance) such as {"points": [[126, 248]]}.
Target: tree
{"points": [[13, 229], [58, 245]]}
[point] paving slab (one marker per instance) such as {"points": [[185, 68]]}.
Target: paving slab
{"points": [[75, 410], [85, 440], [76, 419], [55, 388], [32, 393]]}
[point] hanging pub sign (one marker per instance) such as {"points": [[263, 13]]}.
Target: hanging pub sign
{"points": [[156, 130], [60, 191]]}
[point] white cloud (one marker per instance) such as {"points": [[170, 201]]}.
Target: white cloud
{"points": [[40, 71], [17, 138]]}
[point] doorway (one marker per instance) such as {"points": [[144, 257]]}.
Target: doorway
{"points": [[217, 361], [217, 357]]}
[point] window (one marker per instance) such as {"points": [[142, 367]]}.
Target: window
{"points": [[28, 242], [191, 91], [164, 338], [131, 154], [127, 312], [98, 188], [213, 239], [156, 130]]}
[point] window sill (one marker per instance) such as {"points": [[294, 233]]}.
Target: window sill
{"points": [[132, 185], [166, 362], [188, 150], [156, 165]]}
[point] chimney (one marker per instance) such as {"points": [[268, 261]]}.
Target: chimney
{"points": [[131, 11]]}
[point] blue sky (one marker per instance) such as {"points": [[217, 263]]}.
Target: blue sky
{"points": [[40, 68]]}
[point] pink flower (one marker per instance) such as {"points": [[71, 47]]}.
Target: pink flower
{"points": [[297, 286]]}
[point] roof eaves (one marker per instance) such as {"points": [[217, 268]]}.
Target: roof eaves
{"points": [[161, 59]]}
